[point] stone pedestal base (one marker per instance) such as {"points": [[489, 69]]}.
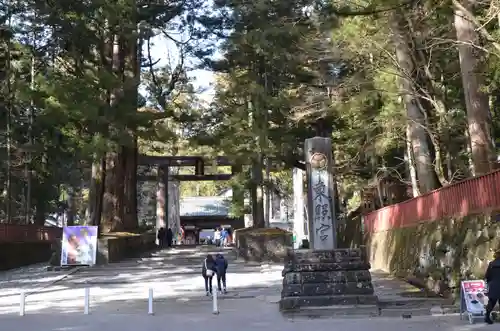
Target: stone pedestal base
{"points": [[329, 280]]}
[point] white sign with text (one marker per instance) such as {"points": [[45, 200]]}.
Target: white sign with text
{"points": [[473, 299], [322, 210]]}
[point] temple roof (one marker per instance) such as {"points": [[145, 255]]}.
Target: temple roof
{"points": [[205, 206]]}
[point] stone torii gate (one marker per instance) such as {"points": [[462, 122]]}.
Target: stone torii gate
{"points": [[164, 177]]}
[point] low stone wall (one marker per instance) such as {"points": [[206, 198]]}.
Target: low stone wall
{"points": [[113, 249], [437, 255], [19, 254], [109, 249], [263, 245]]}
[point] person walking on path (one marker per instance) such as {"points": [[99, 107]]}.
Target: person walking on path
{"points": [[221, 268], [161, 237], [208, 269], [492, 278], [217, 237], [170, 237], [229, 236], [182, 236], [223, 237]]}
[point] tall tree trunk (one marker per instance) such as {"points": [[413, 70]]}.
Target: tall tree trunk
{"points": [[114, 182], [40, 212], [112, 219], [476, 101], [257, 195], [98, 175], [130, 100], [121, 184], [411, 163], [40, 202], [131, 221], [420, 141], [96, 193], [238, 198], [71, 212]]}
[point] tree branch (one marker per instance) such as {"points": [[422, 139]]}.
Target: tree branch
{"points": [[482, 30], [367, 11]]}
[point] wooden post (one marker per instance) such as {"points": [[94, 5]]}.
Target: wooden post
{"points": [[320, 194], [161, 198], [199, 167], [165, 180], [172, 199], [299, 230]]}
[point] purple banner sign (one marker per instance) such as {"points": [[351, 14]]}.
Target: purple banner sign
{"points": [[79, 245]]}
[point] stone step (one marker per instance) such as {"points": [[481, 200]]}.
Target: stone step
{"points": [[295, 303], [343, 311], [404, 307], [408, 312], [356, 311], [412, 303]]}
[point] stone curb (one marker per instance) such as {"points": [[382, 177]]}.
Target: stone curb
{"points": [[340, 311], [418, 311], [366, 311], [371, 312], [274, 299]]}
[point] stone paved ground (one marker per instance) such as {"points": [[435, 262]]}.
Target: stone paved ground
{"points": [[119, 300], [30, 279], [245, 314], [173, 275]]}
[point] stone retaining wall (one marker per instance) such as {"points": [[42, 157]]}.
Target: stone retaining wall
{"points": [[114, 249], [437, 255], [262, 245], [19, 254]]}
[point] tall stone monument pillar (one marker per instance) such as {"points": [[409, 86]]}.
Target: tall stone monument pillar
{"points": [[325, 279], [320, 194]]}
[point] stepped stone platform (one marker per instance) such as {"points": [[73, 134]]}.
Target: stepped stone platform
{"points": [[328, 282]]}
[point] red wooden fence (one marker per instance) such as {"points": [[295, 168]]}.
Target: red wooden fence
{"points": [[471, 196], [28, 233]]}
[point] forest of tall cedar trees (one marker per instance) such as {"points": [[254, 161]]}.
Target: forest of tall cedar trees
{"points": [[410, 90]]}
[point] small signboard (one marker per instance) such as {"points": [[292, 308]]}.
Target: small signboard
{"points": [[79, 245], [473, 299]]}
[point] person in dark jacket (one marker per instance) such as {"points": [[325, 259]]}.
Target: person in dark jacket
{"points": [[221, 267], [208, 270], [170, 237], [161, 237], [492, 278]]}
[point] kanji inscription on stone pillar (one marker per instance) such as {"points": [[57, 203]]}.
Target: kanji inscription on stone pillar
{"points": [[320, 194]]}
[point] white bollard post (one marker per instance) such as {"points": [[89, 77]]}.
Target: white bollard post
{"points": [[22, 300], [150, 302], [215, 308], [86, 302]]}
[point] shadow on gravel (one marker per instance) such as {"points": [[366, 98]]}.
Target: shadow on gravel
{"points": [[174, 276], [151, 266], [119, 300]]}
